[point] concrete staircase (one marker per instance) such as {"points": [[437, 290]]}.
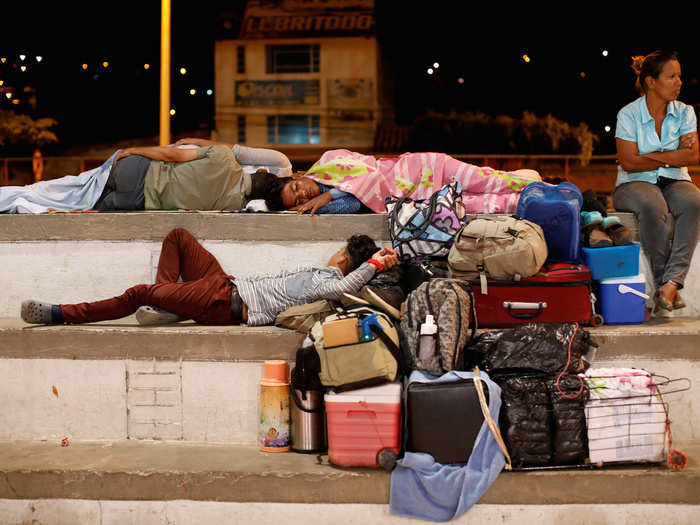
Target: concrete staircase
{"points": [[162, 421]]}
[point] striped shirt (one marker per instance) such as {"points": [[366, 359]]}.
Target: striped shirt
{"points": [[269, 295]]}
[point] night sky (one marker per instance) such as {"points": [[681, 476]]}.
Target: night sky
{"points": [[483, 45]]}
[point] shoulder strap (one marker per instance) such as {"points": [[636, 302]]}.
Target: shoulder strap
{"points": [[489, 420], [393, 348]]}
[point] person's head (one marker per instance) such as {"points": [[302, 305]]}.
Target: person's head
{"points": [[270, 189], [297, 191], [660, 72], [359, 249]]}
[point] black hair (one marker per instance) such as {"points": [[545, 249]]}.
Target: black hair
{"points": [[359, 249], [272, 193], [650, 66]]}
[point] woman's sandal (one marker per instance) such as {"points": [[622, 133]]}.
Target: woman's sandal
{"points": [[660, 302], [678, 302]]}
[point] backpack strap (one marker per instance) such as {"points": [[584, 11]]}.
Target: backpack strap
{"points": [[489, 420], [393, 348]]}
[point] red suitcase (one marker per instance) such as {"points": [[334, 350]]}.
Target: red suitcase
{"points": [[558, 293]]}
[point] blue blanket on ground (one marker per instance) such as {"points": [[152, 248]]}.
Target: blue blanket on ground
{"points": [[422, 488], [69, 193]]}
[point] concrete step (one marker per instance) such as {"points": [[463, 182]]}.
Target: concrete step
{"points": [[194, 383], [66, 258], [150, 482]]}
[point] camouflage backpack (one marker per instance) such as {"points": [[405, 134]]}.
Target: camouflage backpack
{"points": [[450, 302]]}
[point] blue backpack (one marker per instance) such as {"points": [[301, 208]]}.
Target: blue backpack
{"points": [[557, 209]]}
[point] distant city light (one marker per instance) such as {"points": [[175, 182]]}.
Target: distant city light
{"points": [[3, 60], [15, 101], [39, 58], [183, 71], [607, 129], [582, 74], [210, 92], [436, 65], [23, 68], [105, 64], [460, 80], [430, 71], [172, 112], [605, 52], [8, 94], [84, 66], [147, 66], [2, 82], [22, 57], [193, 91], [526, 58]]}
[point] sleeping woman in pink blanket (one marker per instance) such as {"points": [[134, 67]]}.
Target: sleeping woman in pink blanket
{"points": [[343, 181]]}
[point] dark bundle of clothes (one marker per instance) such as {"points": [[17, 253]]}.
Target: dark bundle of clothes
{"points": [[542, 417]]}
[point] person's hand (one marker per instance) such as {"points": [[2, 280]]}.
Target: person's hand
{"points": [[687, 141], [314, 203], [122, 153], [386, 257]]}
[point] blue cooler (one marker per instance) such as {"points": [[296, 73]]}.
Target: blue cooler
{"points": [[615, 261], [623, 299]]}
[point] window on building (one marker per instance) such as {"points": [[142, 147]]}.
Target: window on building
{"points": [[240, 59], [294, 129], [241, 129], [293, 59]]}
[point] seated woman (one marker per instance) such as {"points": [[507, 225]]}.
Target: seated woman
{"points": [[211, 177], [343, 181], [657, 139]]}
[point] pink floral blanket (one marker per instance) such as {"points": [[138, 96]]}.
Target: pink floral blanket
{"points": [[417, 175]]}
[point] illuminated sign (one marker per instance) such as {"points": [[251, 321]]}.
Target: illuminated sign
{"points": [[304, 18], [277, 93]]}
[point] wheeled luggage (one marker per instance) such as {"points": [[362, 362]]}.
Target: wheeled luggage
{"points": [[443, 419], [557, 209], [558, 293], [364, 426]]}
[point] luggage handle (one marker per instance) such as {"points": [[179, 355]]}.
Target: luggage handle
{"points": [[514, 305]]}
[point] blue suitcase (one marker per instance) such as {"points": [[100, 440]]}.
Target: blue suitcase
{"points": [[557, 209]]}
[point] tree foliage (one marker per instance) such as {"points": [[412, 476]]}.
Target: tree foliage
{"points": [[24, 132], [479, 133]]}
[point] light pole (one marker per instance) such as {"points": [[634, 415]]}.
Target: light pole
{"points": [[165, 73]]}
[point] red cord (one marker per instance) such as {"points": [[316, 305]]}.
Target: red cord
{"points": [[568, 361]]}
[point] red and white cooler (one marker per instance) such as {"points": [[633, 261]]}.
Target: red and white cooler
{"points": [[364, 426]]}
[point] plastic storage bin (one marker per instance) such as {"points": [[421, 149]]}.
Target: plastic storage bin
{"points": [[615, 261], [622, 299], [364, 426]]}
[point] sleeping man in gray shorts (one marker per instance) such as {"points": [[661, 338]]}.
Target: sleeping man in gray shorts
{"points": [[200, 178]]}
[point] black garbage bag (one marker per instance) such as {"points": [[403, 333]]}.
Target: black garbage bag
{"points": [[540, 347]]}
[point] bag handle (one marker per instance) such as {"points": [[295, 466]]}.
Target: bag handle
{"points": [[489, 420], [297, 402]]}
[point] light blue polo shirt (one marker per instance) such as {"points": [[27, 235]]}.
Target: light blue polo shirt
{"points": [[634, 123]]}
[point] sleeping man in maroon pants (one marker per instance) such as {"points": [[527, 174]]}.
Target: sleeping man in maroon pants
{"points": [[209, 296]]}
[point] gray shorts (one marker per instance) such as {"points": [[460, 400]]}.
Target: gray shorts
{"points": [[124, 187]]}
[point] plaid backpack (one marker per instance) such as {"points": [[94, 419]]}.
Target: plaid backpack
{"points": [[450, 302]]}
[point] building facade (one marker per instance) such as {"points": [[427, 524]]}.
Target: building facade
{"points": [[304, 73]]}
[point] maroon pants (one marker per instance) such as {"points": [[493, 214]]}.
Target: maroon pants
{"points": [[204, 295]]}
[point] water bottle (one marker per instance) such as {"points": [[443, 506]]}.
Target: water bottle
{"points": [[274, 431], [428, 331]]}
